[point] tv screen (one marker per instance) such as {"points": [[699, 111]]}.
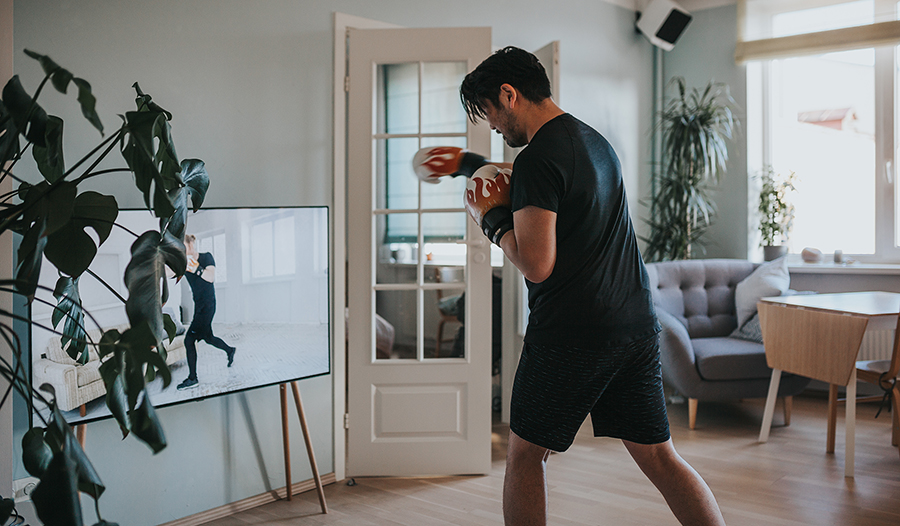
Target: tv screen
{"points": [[262, 290]]}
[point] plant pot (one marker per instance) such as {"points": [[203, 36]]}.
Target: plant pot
{"points": [[774, 252]]}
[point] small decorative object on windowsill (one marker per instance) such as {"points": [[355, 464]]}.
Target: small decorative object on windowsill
{"points": [[776, 212], [811, 255]]}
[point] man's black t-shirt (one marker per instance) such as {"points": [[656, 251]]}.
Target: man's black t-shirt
{"points": [[598, 293], [203, 291]]}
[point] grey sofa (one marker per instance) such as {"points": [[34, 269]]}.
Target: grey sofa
{"points": [[695, 303]]}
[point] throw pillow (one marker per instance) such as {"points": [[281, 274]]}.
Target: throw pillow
{"points": [[749, 331], [769, 279]]}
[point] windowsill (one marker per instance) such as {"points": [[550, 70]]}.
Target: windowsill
{"points": [[799, 267]]}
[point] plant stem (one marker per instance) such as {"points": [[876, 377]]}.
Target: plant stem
{"points": [[102, 172], [7, 170], [111, 138], [105, 284], [135, 234]]}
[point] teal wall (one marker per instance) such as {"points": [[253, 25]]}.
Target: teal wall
{"points": [[706, 52]]}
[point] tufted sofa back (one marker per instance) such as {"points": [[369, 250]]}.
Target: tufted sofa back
{"points": [[699, 292]]}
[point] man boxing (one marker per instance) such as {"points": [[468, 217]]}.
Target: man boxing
{"points": [[591, 346], [201, 274]]}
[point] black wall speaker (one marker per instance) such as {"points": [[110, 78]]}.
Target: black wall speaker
{"points": [[662, 22]]}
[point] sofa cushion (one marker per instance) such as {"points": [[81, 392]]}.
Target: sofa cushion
{"points": [[750, 331], [730, 359], [770, 279], [699, 293], [87, 373]]}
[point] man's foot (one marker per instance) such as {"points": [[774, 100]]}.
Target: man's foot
{"points": [[188, 383], [230, 352]]}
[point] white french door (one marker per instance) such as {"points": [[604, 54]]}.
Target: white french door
{"points": [[412, 409]]}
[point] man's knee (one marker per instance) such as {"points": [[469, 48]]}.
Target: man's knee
{"points": [[653, 457], [521, 450]]}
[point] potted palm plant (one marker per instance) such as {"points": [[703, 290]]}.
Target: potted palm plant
{"points": [[776, 212], [696, 127]]}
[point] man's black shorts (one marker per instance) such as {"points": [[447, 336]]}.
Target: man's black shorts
{"points": [[620, 387]]}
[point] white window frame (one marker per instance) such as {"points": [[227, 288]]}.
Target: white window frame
{"points": [[887, 238]]}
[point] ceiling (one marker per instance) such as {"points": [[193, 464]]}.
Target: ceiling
{"points": [[689, 5]]}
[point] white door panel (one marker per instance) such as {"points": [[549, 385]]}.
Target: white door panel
{"points": [[411, 410]]}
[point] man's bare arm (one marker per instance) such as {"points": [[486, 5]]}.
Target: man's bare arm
{"points": [[531, 245], [209, 274]]}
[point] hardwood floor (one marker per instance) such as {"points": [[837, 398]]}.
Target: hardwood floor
{"points": [[787, 481]]}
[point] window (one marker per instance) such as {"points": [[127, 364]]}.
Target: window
{"points": [[829, 117], [271, 252], [405, 122], [214, 243]]}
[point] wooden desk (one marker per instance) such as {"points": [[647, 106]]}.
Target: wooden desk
{"points": [[818, 336]]}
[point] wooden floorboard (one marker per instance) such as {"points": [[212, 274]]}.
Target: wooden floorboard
{"points": [[788, 481]]}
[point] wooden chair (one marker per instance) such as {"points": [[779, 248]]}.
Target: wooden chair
{"points": [[446, 315], [884, 373]]}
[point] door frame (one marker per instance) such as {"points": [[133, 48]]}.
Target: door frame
{"points": [[342, 22], [394, 430]]}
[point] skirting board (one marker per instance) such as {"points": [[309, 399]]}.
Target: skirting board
{"points": [[250, 502]]}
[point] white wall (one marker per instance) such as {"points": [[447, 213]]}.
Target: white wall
{"points": [[249, 83]]}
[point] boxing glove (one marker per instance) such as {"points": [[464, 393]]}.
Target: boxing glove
{"points": [[488, 202], [434, 162]]}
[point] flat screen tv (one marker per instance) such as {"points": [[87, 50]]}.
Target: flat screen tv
{"points": [[271, 304]]}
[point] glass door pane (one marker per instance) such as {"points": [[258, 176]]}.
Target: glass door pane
{"points": [[419, 227]]}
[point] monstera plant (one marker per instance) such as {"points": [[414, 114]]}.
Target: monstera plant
{"points": [[63, 225]]}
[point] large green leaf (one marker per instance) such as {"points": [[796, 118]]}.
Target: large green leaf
{"points": [[9, 136], [88, 103], [154, 174], [74, 337], [56, 496], [145, 278], [28, 116], [6, 509], [36, 454], [113, 373], [132, 352], [144, 102], [30, 254], [147, 427], [196, 183], [54, 203], [59, 437], [49, 158], [71, 248], [61, 77]]}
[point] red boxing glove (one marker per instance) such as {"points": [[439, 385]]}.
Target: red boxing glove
{"points": [[488, 201], [434, 162]]}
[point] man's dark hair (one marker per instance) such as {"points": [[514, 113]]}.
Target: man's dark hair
{"points": [[510, 65]]}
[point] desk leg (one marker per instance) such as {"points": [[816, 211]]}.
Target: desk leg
{"points": [[850, 426], [832, 417], [770, 405]]}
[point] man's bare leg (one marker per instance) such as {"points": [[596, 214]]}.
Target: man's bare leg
{"points": [[525, 484], [687, 495]]}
